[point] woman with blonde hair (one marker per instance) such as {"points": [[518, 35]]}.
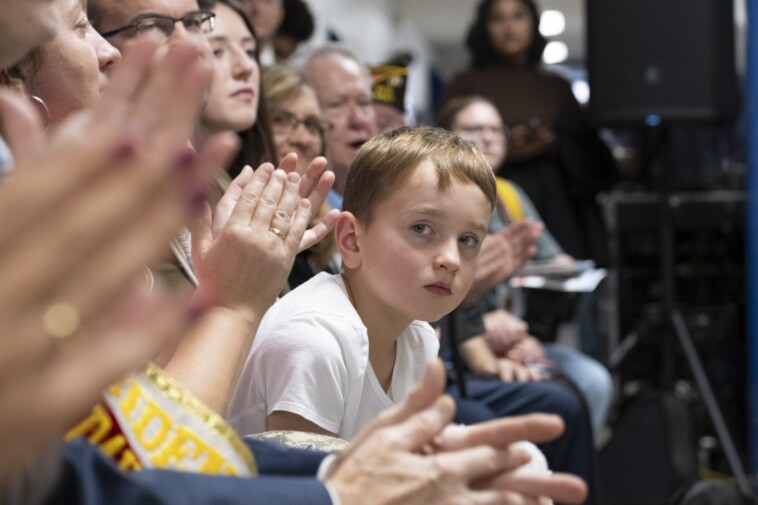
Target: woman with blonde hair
{"points": [[298, 126]]}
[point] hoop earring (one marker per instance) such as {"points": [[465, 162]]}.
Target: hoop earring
{"points": [[44, 110]]}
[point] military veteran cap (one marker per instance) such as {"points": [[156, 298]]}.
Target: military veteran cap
{"points": [[388, 85]]}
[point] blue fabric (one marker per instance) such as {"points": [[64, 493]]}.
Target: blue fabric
{"points": [[274, 459], [334, 200], [590, 377], [90, 478]]}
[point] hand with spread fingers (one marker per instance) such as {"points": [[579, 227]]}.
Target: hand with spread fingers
{"points": [[410, 454], [242, 254], [80, 217], [315, 184], [523, 237], [502, 254], [244, 262]]}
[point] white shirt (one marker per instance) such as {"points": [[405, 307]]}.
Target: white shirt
{"points": [[310, 357]]}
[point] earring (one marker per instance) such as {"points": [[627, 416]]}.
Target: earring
{"points": [[44, 110]]}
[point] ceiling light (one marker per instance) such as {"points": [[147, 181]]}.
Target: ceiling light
{"points": [[552, 23], [555, 52]]}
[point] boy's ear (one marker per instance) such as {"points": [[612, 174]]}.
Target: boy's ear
{"points": [[346, 233]]}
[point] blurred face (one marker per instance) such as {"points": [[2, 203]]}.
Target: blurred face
{"points": [[235, 92], [298, 127], [419, 253], [266, 16], [344, 90], [510, 27], [74, 64], [121, 13], [480, 124], [25, 24]]}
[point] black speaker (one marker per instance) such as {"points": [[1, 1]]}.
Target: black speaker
{"points": [[653, 61]]}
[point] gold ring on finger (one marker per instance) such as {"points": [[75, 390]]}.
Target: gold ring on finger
{"points": [[276, 231], [61, 320]]}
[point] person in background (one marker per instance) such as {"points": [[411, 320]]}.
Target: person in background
{"points": [[343, 86], [547, 126], [299, 127], [235, 101], [514, 353], [266, 16], [296, 28], [388, 92], [70, 71]]}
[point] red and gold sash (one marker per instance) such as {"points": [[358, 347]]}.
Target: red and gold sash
{"points": [[150, 421]]}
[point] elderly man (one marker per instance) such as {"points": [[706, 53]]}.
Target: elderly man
{"points": [[343, 86]]}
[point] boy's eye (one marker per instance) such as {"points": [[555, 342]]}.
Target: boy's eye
{"points": [[468, 241], [421, 229]]}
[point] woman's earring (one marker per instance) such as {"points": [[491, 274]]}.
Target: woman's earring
{"points": [[44, 110]]}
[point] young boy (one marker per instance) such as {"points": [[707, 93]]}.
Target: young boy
{"points": [[333, 353]]}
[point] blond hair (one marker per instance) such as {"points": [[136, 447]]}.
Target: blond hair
{"points": [[388, 160]]}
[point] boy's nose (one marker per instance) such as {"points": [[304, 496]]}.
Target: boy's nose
{"points": [[448, 257]]}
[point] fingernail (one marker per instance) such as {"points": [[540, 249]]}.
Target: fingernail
{"points": [[198, 199], [293, 177], [124, 150], [185, 160], [265, 168]]}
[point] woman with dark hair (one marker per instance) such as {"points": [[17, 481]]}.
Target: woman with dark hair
{"points": [[235, 100], [484, 45], [297, 27], [547, 149]]}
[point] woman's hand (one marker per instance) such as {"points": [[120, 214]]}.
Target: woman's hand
{"points": [[315, 184], [244, 262], [81, 215]]}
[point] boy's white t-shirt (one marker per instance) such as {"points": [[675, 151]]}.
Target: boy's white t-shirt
{"points": [[310, 357]]}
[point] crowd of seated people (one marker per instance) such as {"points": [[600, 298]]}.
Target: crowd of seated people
{"points": [[159, 187]]}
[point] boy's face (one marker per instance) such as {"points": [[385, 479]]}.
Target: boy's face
{"points": [[419, 253]]}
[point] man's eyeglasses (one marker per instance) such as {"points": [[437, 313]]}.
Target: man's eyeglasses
{"points": [[151, 25], [284, 122]]}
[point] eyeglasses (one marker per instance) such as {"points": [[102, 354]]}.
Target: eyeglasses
{"points": [[284, 122], [196, 22]]}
